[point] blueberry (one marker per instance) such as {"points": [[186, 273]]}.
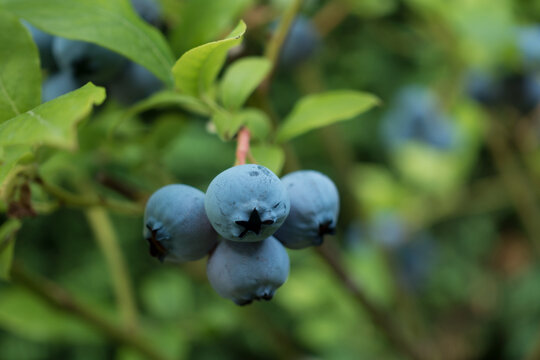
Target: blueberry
{"points": [[150, 11], [416, 116], [246, 203], [176, 226], [135, 83], [522, 91], [483, 87], [58, 84], [243, 272], [87, 61], [414, 261], [314, 209], [44, 45], [389, 229], [300, 44]]}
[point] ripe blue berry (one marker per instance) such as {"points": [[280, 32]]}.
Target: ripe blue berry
{"points": [[416, 116], [87, 61], [149, 10], [59, 84], [176, 226], [243, 272], [246, 203], [301, 42], [483, 87], [135, 83], [314, 209]]}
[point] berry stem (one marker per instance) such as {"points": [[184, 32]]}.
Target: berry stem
{"points": [[242, 146]]}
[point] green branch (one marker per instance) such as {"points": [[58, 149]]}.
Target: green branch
{"points": [[75, 200], [276, 42], [516, 183], [108, 242], [62, 300], [379, 318]]}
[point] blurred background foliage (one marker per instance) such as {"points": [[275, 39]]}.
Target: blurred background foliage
{"points": [[440, 220]]}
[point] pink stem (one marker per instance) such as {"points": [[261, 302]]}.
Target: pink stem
{"points": [[242, 146]]}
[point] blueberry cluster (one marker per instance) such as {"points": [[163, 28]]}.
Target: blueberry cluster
{"points": [[516, 87], [416, 115], [72, 63], [244, 222]]}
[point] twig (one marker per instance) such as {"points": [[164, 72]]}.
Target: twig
{"points": [[378, 317], [108, 242], [69, 199], [242, 146], [330, 16], [516, 183], [276, 42], [62, 300]]}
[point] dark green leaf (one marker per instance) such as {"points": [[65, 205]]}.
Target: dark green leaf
{"points": [[112, 24]]}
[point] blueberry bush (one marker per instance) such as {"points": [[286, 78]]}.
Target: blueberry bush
{"points": [[317, 179]]}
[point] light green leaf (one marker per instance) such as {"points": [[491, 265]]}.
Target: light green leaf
{"points": [[318, 110], [20, 76], [112, 24], [164, 98], [52, 123], [194, 30], [227, 124], [197, 69], [270, 156], [171, 98], [7, 245], [257, 122], [241, 79]]}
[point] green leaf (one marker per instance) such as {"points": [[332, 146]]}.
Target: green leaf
{"points": [[20, 76], [194, 30], [257, 122], [197, 69], [227, 124], [7, 245], [112, 24], [167, 98], [271, 156], [52, 123], [241, 79], [318, 110]]}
